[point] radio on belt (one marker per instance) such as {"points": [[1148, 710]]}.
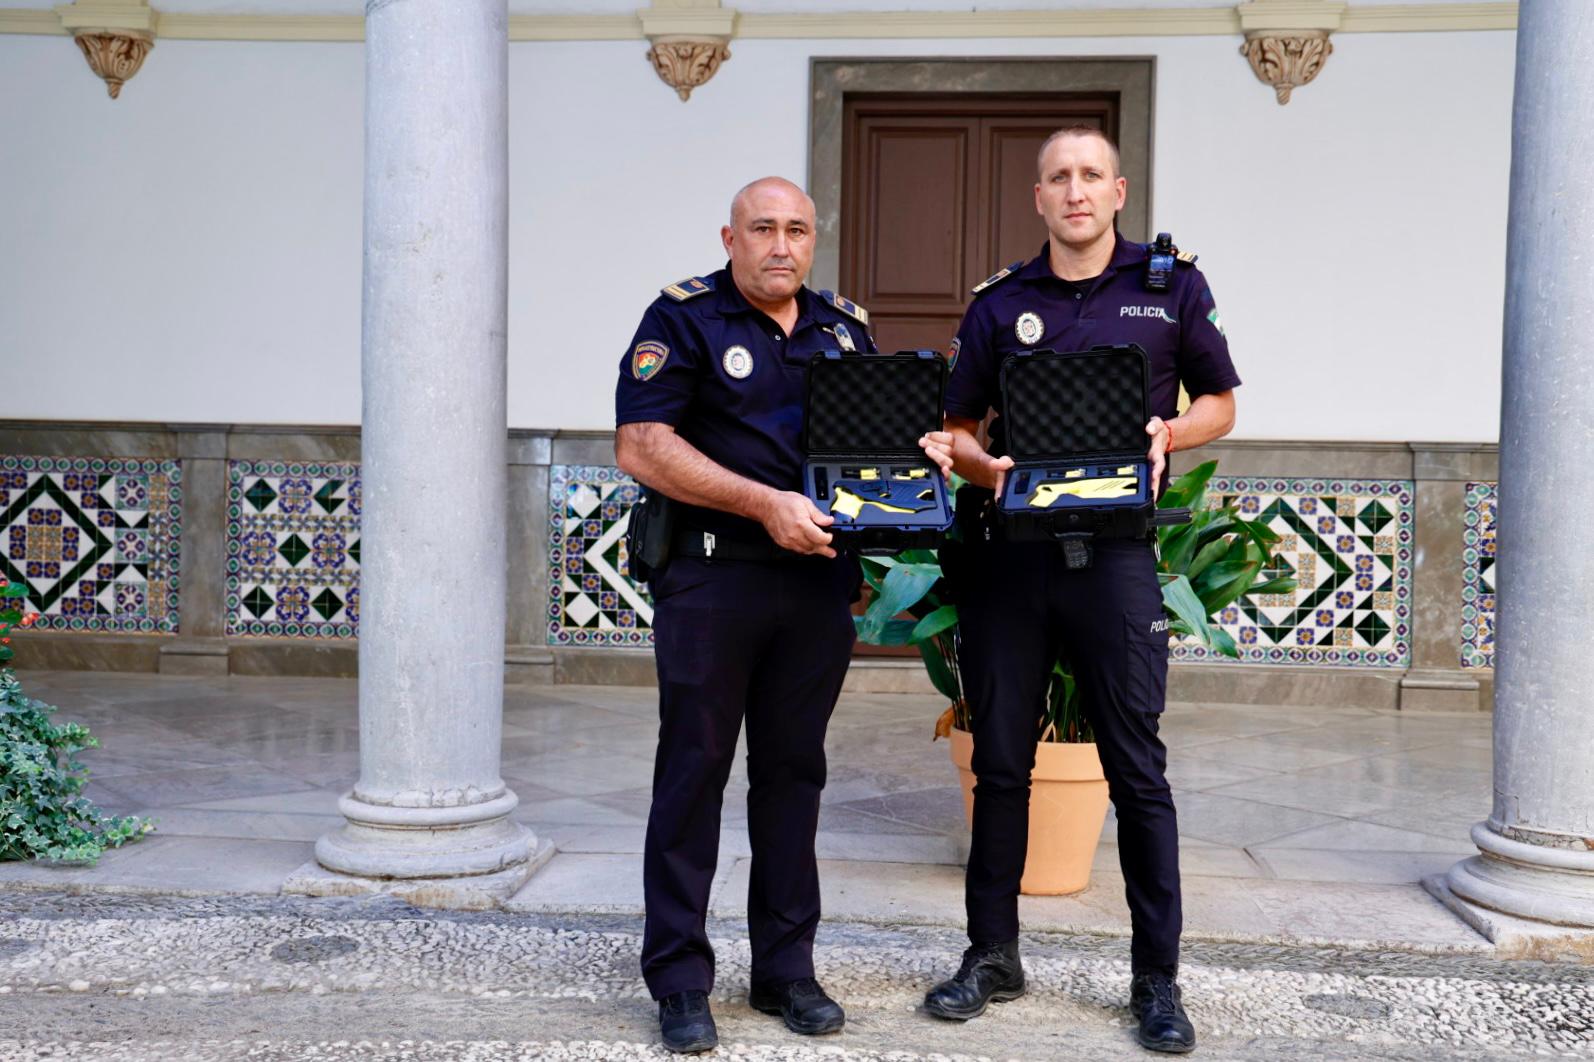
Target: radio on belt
{"points": [[1076, 430], [863, 415]]}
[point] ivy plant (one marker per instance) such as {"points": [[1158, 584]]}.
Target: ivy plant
{"points": [[43, 811]]}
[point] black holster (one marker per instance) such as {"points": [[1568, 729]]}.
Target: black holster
{"points": [[650, 534]]}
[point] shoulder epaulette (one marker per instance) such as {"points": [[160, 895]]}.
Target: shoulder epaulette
{"points": [[1186, 257], [682, 290], [996, 278], [847, 306]]}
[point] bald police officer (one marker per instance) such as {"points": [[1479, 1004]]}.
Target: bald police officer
{"points": [[751, 613], [1019, 605]]}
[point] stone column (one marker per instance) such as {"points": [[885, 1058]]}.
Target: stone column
{"points": [[1537, 861], [430, 808]]}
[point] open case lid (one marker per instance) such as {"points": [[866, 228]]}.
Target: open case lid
{"points": [[1074, 404], [860, 403]]}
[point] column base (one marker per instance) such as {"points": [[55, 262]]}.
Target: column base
{"points": [[1513, 937], [1438, 690], [477, 892]]}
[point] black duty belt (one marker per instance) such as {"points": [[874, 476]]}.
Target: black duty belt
{"points": [[690, 542]]}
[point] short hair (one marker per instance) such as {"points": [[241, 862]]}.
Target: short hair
{"points": [[1077, 130]]}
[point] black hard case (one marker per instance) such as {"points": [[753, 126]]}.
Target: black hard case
{"points": [[864, 410], [1068, 410]]}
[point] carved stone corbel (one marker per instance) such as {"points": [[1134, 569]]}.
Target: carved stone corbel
{"points": [[1286, 41], [685, 63], [113, 35], [690, 39]]}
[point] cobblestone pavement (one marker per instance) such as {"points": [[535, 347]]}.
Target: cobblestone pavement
{"points": [[102, 976]]}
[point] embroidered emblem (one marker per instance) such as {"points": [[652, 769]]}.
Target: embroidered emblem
{"points": [[648, 358], [1030, 328], [738, 362], [952, 353], [1217, 322], [843, 336]]}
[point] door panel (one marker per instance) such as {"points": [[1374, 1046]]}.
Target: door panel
{"points": [[917, 220]]}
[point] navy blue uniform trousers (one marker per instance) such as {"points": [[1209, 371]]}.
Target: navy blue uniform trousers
{"points": [[1017, 605], [771, 642]]}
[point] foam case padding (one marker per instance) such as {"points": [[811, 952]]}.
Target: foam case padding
{"points": [[1084, 410], [866, 412]]}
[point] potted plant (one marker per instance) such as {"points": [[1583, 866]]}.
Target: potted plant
{"points": [[1205, 566], [42, 807]]}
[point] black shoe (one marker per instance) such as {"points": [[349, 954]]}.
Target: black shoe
{"points": [[801, 1003], [685, 1025], [1154, 1002], [991, 973]]}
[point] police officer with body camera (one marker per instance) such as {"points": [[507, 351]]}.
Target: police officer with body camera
{"points": [[752, 613], [1020, 605]]}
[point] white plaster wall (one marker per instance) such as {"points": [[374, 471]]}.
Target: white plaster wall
{"points": [[192, 251]]}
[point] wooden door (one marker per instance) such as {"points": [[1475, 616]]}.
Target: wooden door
{"points": [[938, 194]]}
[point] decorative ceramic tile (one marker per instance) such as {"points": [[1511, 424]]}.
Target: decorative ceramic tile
{"points": [[1477, 576], [592, 599], [1349, 544], [293, 549], [95, 540]]}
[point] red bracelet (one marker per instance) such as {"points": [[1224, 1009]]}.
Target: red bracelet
{"points": [[1169, 448]]}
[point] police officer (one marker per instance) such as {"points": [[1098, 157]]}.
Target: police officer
{"points": [[1019, 605], [751, 612]]}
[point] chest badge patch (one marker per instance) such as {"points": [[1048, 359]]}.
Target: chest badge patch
{"points": [[843, 337], [648, 358], [1030, 328], [738, 362]]}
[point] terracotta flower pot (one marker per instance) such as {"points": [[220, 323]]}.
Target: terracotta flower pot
{"points": [[1067, 806]]}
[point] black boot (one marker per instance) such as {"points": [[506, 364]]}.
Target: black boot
{"points": [[685, 1024], [1155, 1003], [802, 1004], [991, 973]]}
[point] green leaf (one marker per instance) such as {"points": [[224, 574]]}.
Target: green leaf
{"points": [[941, 676], [1189, 489], [903, 587], [1224, 643], [897, 632], [1224, 594], [1285, 584], [1179, 547], [1207, 556], [941, 619], [1180, 599]]}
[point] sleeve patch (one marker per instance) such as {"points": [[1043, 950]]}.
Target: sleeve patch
{"points": [[648, 358], [847, 306], [691, 287]]}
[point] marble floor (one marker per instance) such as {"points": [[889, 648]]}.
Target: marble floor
{"points": [[1296, 823]]}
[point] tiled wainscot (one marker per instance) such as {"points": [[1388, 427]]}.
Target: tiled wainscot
{"points": [[592, 599], [1477, 576], [1349, 543], [96, 541], [293, 549]]}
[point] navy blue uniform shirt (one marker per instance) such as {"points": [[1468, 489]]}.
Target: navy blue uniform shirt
{"points": [[1179, 329], [730, 381]]}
